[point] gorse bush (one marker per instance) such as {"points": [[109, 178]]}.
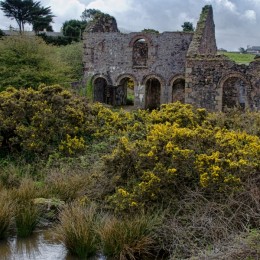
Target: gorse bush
{"points": [[233, 119], [177, 151], [43, 121]]}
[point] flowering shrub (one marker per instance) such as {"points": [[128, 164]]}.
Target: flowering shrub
{"points": [[154, 157], [175, 153], [41, 121]]}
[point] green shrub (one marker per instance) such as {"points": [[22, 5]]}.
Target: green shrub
{"points": [[27, 61]]}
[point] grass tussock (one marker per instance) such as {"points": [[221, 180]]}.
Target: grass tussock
{"points": [[26, 212], [131, 238], [6, 213], [67, 185], [77, 230]]}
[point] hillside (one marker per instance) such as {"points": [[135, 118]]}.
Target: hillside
{"points": [[240, 58]]}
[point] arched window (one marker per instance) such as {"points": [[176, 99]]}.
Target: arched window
{"points": [[140, 53]]}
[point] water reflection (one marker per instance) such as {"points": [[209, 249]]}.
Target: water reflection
{"points": [[42, 245]]}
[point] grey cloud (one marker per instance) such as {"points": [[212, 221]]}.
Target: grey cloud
{"points": [[236, 25]]}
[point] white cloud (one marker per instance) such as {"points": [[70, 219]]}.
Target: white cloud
{"points": [[227, 4], [111, 6], [71, 9], [249, 15]]}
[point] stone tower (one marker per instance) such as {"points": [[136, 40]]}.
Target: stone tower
{"points": [[204, 40]]}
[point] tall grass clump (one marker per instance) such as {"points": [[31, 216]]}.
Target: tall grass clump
{"points": [[131, 238], [66, 185], [77, 230], [6, 213], [26, 212]]}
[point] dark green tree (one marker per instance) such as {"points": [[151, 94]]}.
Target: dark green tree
{"points": [[42, 23], [26, 11], [89, 14], [187, 27], [242, 50], [73, 28], [1, 33]]}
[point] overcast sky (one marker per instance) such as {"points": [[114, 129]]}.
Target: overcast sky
{"points": [[237, 21]]}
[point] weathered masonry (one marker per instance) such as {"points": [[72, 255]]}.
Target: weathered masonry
{"points": [[168, 67]]}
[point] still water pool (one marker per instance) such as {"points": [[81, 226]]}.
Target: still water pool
{"points": [[42, 245]]}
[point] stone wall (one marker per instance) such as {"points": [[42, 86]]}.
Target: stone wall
{"points": [[112, 56], [215, 82], [169, 67]]}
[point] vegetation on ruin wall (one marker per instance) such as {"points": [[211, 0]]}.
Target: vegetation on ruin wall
{"points": [[240, 58], [197, 171]]}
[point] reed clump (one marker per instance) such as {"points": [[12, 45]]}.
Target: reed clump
{"points": [[129, 238], [26, 212], [77, 229], [6, 213]]}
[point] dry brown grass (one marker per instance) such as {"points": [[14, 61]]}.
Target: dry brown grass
{"points": [[244, 246], [200, 222]]}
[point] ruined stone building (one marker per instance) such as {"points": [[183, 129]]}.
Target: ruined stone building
{"points": [[168, 67]]}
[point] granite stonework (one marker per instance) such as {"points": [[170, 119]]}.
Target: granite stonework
{"points": [[168, 67]]}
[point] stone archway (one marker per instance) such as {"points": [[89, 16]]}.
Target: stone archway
{"points": [[125, 91], [152, 93], [101, 90], [178, 89], [235, 89]]}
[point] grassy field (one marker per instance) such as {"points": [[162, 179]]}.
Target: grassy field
{"points": [[239, 58]]}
